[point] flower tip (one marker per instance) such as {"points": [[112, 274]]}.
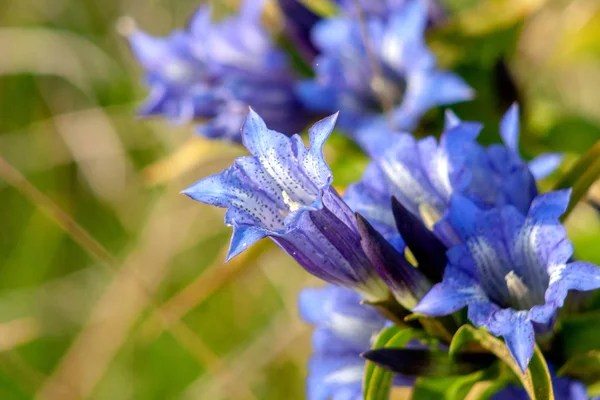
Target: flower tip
{"points": [[126, 26], [186, 192]]}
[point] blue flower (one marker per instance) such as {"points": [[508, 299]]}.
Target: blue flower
{"points": [[343, 330], [392, 71], [424, 174], [382, 8], [284, 191], [512, 271], [211, 72]]}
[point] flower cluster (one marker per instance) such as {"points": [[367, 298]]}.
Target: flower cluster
{"points": [[434, 226], [212, 71]]}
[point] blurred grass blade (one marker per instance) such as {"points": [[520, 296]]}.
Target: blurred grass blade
{"points": [[192, 153], [378, 381], [581, 176], [323, 8], [536, 380]]}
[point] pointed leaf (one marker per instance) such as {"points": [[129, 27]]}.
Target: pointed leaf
{"points": [[424, 362], [581, 176], [536, 379]]}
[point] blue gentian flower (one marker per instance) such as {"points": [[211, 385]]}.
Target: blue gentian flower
{"points": [[284, 191], [512, 271], [382, 8], [424, 174], [211, 72], [392, 71], [343, 330]]}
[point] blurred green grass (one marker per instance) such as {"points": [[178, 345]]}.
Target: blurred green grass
{"points": [[143, 308]]}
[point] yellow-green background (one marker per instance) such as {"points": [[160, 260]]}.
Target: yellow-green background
{"points": [[112, 285]]}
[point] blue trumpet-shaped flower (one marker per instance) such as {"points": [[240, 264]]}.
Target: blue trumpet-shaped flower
{"points": [[373, 64], [343, 330], [284, 191], [424, 174], [382, 8], [512, 271], [211, 72]]}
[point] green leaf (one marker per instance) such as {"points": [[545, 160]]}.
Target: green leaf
{"points": [[536, 379], [323, 8], [431, 388], [447, 388], [581, 176], [583, 367], [579, 333], [462, 385], [378, 381]]}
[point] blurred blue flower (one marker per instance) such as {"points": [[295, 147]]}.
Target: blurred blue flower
{"points": [[343, 330], [512, 271], [424, 174], [211, 72], [382, 8], [284, 191], [392, 71]]}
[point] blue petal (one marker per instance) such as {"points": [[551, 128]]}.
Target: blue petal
{"points": [[228, 189], [426, 89], [317, 97], [277, 156], [551, 244], [545, 164], [455, 292], [242, 238], [450, 120], [520, 338], [314, 163], [403, 45], [403, 166], [329, 377], [509, 128], [578, 275]]}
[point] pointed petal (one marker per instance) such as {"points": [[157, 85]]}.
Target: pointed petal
{"points": [[550, 242], [456, 291], [424, 245], [278, 158], [545, 164], [520, 339], [450, 120], [402, 164], [509, 128], [406, 282], [242, 238], [578, 275], [314, 163]]}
